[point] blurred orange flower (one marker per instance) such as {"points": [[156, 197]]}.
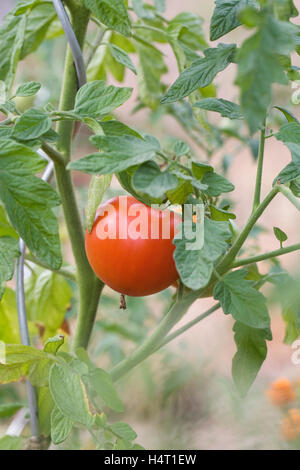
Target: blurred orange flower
{"points": [[281, 392], [290, 425]]}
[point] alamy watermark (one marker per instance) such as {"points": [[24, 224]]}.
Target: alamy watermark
{"points": [[296, 354], [140, 223]]}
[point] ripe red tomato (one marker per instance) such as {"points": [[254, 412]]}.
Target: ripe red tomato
{"points": [[137, 257]]}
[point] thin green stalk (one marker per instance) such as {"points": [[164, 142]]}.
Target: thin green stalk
{"points": [[98, 41], [180, 290], [227, 261], [150, 345], [290, 196], [88, 285], [271, 254], [189, 325], [260, 162], [79, 18], [52, 153]]}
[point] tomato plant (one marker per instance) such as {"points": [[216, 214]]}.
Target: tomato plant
{"points": [[106, 42]]}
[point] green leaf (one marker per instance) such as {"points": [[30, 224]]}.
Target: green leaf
{"points": [[201, 73], [226, 16], [118, 154], [289, 116], [7, 410], [11, 443], [31, 125], [289, 173], [45, 407], [239, 298], [150, 69], [103, 385], [195, 267], [21, 35], [250, 355], [259, 67], [52, 345], [117, 128], [97, 188], [287, 294], [193, 181], [123, 430], [180, 194], [112, 13], [18, 361], [96, 98], [6, 229], [220, 214], [279, 234], [9, 326], [224, 107], [37, 25], [121, 57], [28, 201], [12, 34], [150, 180], [291, 317], [186, 31], [24, 5], [199, 169], [69, 394], [97, 67], [125, 180], [217, 184], [289, 134], [61, 426], [142, 11], [28, 89], [48, 295], [181, 148], [9, 251]]}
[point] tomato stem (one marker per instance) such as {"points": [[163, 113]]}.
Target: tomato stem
{"points": [[189, 325], [227, 261], [290, 196], [260, 162], [89, 286], [271, 254], [151, 344], [123, 305]]}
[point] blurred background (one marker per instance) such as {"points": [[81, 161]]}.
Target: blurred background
{"points": [[183, 397]]}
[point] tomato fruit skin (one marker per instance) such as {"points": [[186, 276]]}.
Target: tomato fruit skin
{"points": [[130, 265]]}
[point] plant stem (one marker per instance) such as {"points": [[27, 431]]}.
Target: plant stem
{"points": [[79, 19], [151, 344], [264, 256], [89, 286], [52, 153], [227, 261], [289, 195], [189, 325], [98, 40], [260, 161]]}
